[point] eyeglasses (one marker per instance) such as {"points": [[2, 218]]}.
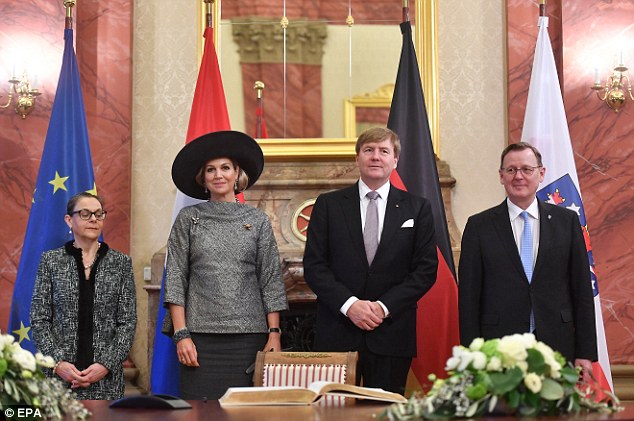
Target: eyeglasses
{"points": [[85, 214], [511, 171]]}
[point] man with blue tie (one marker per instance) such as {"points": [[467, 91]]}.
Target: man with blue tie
{"points": [[524, 267], [370, 255]]}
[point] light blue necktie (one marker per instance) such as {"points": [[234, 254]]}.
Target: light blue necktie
{"points": [[526, 254]]}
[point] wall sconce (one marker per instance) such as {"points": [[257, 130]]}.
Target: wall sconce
{"points": [[25, 95], [615, 86]]}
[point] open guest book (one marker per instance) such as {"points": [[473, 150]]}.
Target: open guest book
{"points": [[292, 395]]}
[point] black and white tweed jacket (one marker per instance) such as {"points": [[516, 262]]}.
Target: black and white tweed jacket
{"points": [[54, 315]]}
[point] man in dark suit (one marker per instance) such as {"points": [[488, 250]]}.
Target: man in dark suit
{"points": [[370, 263], [524, 267]]}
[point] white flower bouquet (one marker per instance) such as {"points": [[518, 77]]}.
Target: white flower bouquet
{"points": [[512, 375], [22, 383]]}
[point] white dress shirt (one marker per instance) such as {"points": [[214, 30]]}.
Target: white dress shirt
{"points": [[381, 202], [517, 224]]}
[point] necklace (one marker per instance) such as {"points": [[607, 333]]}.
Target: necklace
{"points": [[93, 260]]}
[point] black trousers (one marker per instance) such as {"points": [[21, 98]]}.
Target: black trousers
{"points": [[382, 371]]}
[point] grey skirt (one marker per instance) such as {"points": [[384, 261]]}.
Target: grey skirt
{"points": [[224, 360]]}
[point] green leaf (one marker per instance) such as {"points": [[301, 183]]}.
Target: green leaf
{"points": [[506, 381], [476, 391], [536, 363], [482, 377], [569, 374], [7, 386], [492, 402], [531, 399], [472, 410], [33, 388], [513, 398], [551, 390], [490, 347], [3, 367], [11, 388], [528, 411]]}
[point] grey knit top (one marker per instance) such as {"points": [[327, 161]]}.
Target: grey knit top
{"points": [[223, 266]]}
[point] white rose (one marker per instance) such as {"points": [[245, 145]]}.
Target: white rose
{"points": [[44, 360], [457, 351], [549, 358], [533, 382], [476, 344], [479, 360], [452, 363], [24, 359], [512, 350], [545, 350], [554, 367], [528, 339], [494, 364], [6, 340], [465, 360]]}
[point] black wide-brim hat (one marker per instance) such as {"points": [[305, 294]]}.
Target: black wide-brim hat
{"points": [[237, 146]]}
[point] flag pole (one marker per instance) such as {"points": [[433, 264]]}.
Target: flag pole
{"points": [[209, 14], [259, 88], [69, 4], [542, 7], [405, 10], [417, 172]]}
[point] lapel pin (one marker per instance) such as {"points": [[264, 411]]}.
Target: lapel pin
{"points": [[397, 206], [550, 216], [248, 226]]}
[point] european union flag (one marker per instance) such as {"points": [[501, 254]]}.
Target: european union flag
{"points": [[65, 169]]}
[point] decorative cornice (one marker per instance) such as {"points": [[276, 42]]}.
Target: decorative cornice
{"points": [[261, 40]]}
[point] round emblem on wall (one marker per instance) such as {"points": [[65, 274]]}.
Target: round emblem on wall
{"points": [[301, 218]]}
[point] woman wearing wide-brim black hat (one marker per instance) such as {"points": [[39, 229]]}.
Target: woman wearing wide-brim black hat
{"points": [[223, 282]]}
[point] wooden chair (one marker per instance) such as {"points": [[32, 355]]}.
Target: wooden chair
{"points": [[302, 368]]}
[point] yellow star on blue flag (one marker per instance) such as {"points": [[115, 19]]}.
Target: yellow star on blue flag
{"points": [[22, 332], [58, 183], [93, 190], [67, 155]]}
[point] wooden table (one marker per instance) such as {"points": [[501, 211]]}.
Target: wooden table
{"points": [[365, 410]]}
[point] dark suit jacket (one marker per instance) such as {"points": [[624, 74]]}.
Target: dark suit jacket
{"points": [[495, 298], [336, 268]]}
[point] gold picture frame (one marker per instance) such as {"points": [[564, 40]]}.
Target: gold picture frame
{"points": [[380, 98], [425, 42]]}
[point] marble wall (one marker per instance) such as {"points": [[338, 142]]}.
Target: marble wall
{"points": [[603, 141], [32, 35], [485, 52], [588, 34]]}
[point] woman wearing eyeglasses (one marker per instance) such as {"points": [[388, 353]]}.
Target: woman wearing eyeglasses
{"points": [[83, 311]]}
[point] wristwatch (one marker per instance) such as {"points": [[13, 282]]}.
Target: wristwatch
{"points": [[275, 330]]}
